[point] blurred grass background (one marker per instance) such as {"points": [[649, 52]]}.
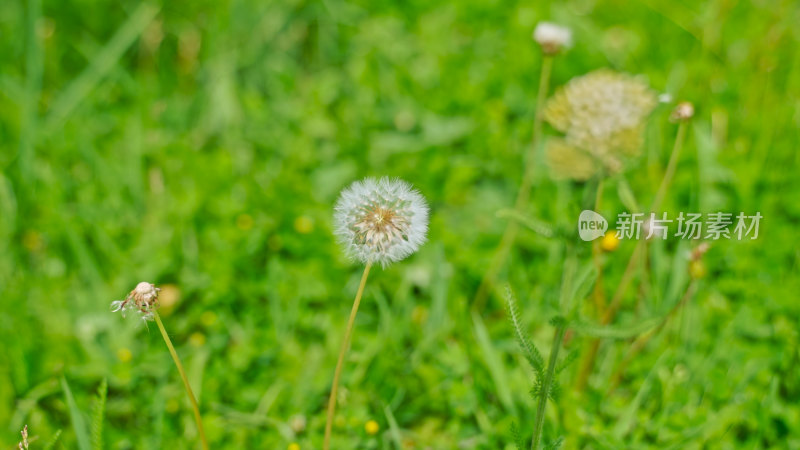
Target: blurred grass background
{"points": [[201, 145]]}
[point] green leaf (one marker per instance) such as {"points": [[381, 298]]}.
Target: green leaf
{"points": [[555, 444], [100, 65], [493, 363], [394, 429], [571, 356], [582, 285], [626, 195], [78, 424], [518, 440], [97, 416], [532, 354], [50, 445], [538, 226]]}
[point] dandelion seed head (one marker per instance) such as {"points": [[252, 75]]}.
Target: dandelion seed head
{"points": [[143, 299], [552, 37], [567, 162], [602, 114], [380, 221]]}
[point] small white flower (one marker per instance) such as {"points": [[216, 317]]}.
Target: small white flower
{"points": [[553, 38], [380, 221], [142, 299]]}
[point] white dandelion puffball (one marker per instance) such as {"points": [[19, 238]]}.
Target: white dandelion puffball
{"points": [[380, 221], [553, 38]]}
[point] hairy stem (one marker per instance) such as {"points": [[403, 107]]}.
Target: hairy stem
{"points": [[523, 194], [197, 417], [546, 386], [340, 362]]}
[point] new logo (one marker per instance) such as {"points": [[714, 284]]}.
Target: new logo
{"points": [[591, 225]]}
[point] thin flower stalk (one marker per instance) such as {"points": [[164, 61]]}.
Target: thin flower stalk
{"points": [[340, 361], [197, 418], [523, 194], [143, 300], [616, 301]]}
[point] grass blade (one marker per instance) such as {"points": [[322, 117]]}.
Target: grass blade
{"points": [[78, 424], [100, 65], [493, 363], [50, 445]]}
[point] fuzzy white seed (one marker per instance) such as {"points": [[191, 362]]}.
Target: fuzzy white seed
{"points": [[380, 221]]}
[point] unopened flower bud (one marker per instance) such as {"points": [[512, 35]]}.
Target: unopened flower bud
{"points": [[682, 112], [552, 38]]}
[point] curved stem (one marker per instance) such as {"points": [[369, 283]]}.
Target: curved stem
{"points": [[189, 392], [627, 276], [523, 194], [546, 386], [340, 362]]}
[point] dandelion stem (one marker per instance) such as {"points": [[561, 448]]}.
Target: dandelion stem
{"points": [[189, 392], [627, 276], [671, 165], [523, 195], [340, 362], [546, 386]]}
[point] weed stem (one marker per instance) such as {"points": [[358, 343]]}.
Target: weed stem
{"points": [[189, 392], [523, 195], [345, 343], [546, 386]]}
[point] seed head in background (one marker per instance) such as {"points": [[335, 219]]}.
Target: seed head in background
{"points": [[380, 221], [552, 37], [602, 115], [142, 299]]}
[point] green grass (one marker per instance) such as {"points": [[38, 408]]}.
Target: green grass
{"points": [[201, 146]]}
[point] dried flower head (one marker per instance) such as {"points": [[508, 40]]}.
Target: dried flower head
{"points": [[553, 38], [602, 115], [24, 444], [380, 220], [142, 299], [682, 112]]}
